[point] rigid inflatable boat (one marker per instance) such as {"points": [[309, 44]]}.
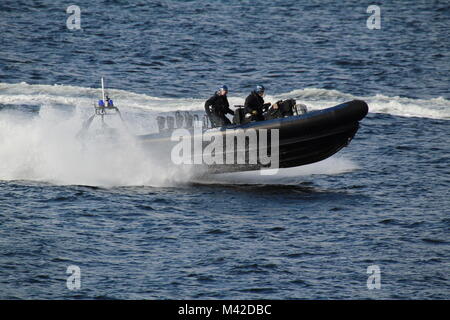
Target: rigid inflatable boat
{"points": [[302, 138], [286, 138]]}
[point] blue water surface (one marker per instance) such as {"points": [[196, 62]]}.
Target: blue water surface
{"points": [[313, 239]]}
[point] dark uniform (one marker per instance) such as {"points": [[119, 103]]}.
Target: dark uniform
{"points": [[216, 108], [254, 104]]}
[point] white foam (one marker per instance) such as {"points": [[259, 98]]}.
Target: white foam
{"points": [[287, 176], [436, 108], [44, 148], [23, 93]]}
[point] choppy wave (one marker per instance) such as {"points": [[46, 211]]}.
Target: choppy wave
{"points": [[47, 95], [436, 108]]}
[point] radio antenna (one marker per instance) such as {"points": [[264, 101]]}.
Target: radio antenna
{"points": [[103, 90]]}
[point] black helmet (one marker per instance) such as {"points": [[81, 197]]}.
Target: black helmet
{"points": [[260, 88]]}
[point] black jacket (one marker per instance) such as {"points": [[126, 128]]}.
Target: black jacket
{"points": [[218, 105], [254, 102]]}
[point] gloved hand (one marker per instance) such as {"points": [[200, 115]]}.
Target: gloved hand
{"points": [[266, 106]]}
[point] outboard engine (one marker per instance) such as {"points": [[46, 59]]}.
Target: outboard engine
{"points": [[239, 115], [301, 108], [161, 123], [287, 107], [170, 122], [176, 121], [195, 116], [179, 119], [206, 122], [188, 120]]}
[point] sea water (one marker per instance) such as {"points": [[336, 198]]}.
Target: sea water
{"points": [[138, 228]]}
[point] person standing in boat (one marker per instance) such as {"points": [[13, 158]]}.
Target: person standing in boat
{"points": [[254, 106], [217, 107]]}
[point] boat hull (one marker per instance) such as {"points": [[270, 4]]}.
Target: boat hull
{"points": [[302, 139]]}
